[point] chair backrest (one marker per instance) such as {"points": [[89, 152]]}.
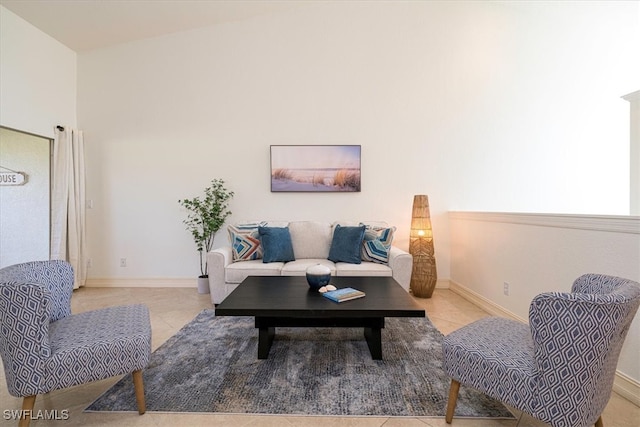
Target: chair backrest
{"points": [[56, 275], [32, 295], [577, 340]]}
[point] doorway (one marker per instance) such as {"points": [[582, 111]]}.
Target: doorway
{"points": [[25, 197]]}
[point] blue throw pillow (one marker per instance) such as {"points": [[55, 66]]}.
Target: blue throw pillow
{"points": [[346, 244], [276, 244]]}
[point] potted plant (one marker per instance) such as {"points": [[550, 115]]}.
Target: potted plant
{"points": [[204, 218]]}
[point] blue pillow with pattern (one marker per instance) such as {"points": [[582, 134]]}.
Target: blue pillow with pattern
{"points": [[377, 244]]}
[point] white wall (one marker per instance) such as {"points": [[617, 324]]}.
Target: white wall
{"points": [[37, 92], [536, 253], [37, 78], [480, 105], [634, 105], [546, 129]]}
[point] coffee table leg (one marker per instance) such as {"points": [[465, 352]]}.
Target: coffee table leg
{"points": [[374, 341], [265, 338]]}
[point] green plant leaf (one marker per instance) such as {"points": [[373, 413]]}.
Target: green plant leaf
{"points": [[205, 216]]}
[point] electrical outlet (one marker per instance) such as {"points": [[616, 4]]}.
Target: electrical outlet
{"points": [[505, 288], [123, 262]]}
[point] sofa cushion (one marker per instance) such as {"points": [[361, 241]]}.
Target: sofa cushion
{"points": [[310, 239], [363, 269], [245, 241], [276, 244], [299, 266], [377, 244], [346, 244], [238, 271]]}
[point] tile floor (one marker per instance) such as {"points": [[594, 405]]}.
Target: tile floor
{"points": [[171, 308]]}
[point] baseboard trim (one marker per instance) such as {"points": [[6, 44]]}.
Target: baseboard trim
{"points": [[172, 283], [141, 283], [482, 302], [627, 387], [624, 385]]}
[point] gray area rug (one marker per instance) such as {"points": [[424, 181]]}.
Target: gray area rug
{"points": [[211, 365]]}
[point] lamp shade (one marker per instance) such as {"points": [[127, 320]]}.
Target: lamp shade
{"points": [[421, 218], [423, 274]]}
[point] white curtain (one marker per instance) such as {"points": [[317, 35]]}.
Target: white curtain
{"points": [[68, 201]]}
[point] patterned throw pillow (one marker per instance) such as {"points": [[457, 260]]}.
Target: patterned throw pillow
{"points": [[377, 244], [245, 241]]}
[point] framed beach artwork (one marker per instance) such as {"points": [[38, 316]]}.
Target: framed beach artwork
{"points": [[315, 168]]}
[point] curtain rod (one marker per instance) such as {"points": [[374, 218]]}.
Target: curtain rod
{"points": [[60, 128]]}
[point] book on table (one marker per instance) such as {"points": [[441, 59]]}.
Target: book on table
{"points": [[344, 294]]}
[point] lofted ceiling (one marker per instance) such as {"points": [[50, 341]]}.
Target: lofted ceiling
{"points": [[83, 25]]}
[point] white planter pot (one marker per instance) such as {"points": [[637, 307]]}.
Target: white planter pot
{"points": [[203, 285]]}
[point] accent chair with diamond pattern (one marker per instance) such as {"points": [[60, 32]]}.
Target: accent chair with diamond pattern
{"points": [[44, 347], [560, 368]]}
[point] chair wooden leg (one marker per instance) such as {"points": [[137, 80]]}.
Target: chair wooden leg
{"points": [[453, 399], [27, 409], [139, 386], [599, 423]]}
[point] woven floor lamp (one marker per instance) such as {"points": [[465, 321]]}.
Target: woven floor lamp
{"points": [[423, 274]]}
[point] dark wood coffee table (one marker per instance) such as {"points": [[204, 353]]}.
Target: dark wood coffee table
{"points": [[288, 302]]}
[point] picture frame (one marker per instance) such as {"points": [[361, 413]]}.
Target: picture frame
{"points": [[316, 168]]}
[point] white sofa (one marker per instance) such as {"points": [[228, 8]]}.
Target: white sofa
{"points": [[311, 242]]}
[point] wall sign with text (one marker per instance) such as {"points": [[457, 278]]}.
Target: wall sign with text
{"points": [[13, 178]]}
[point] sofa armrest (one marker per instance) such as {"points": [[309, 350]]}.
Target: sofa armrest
{"points": [[217, 260], [401, 263]]}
